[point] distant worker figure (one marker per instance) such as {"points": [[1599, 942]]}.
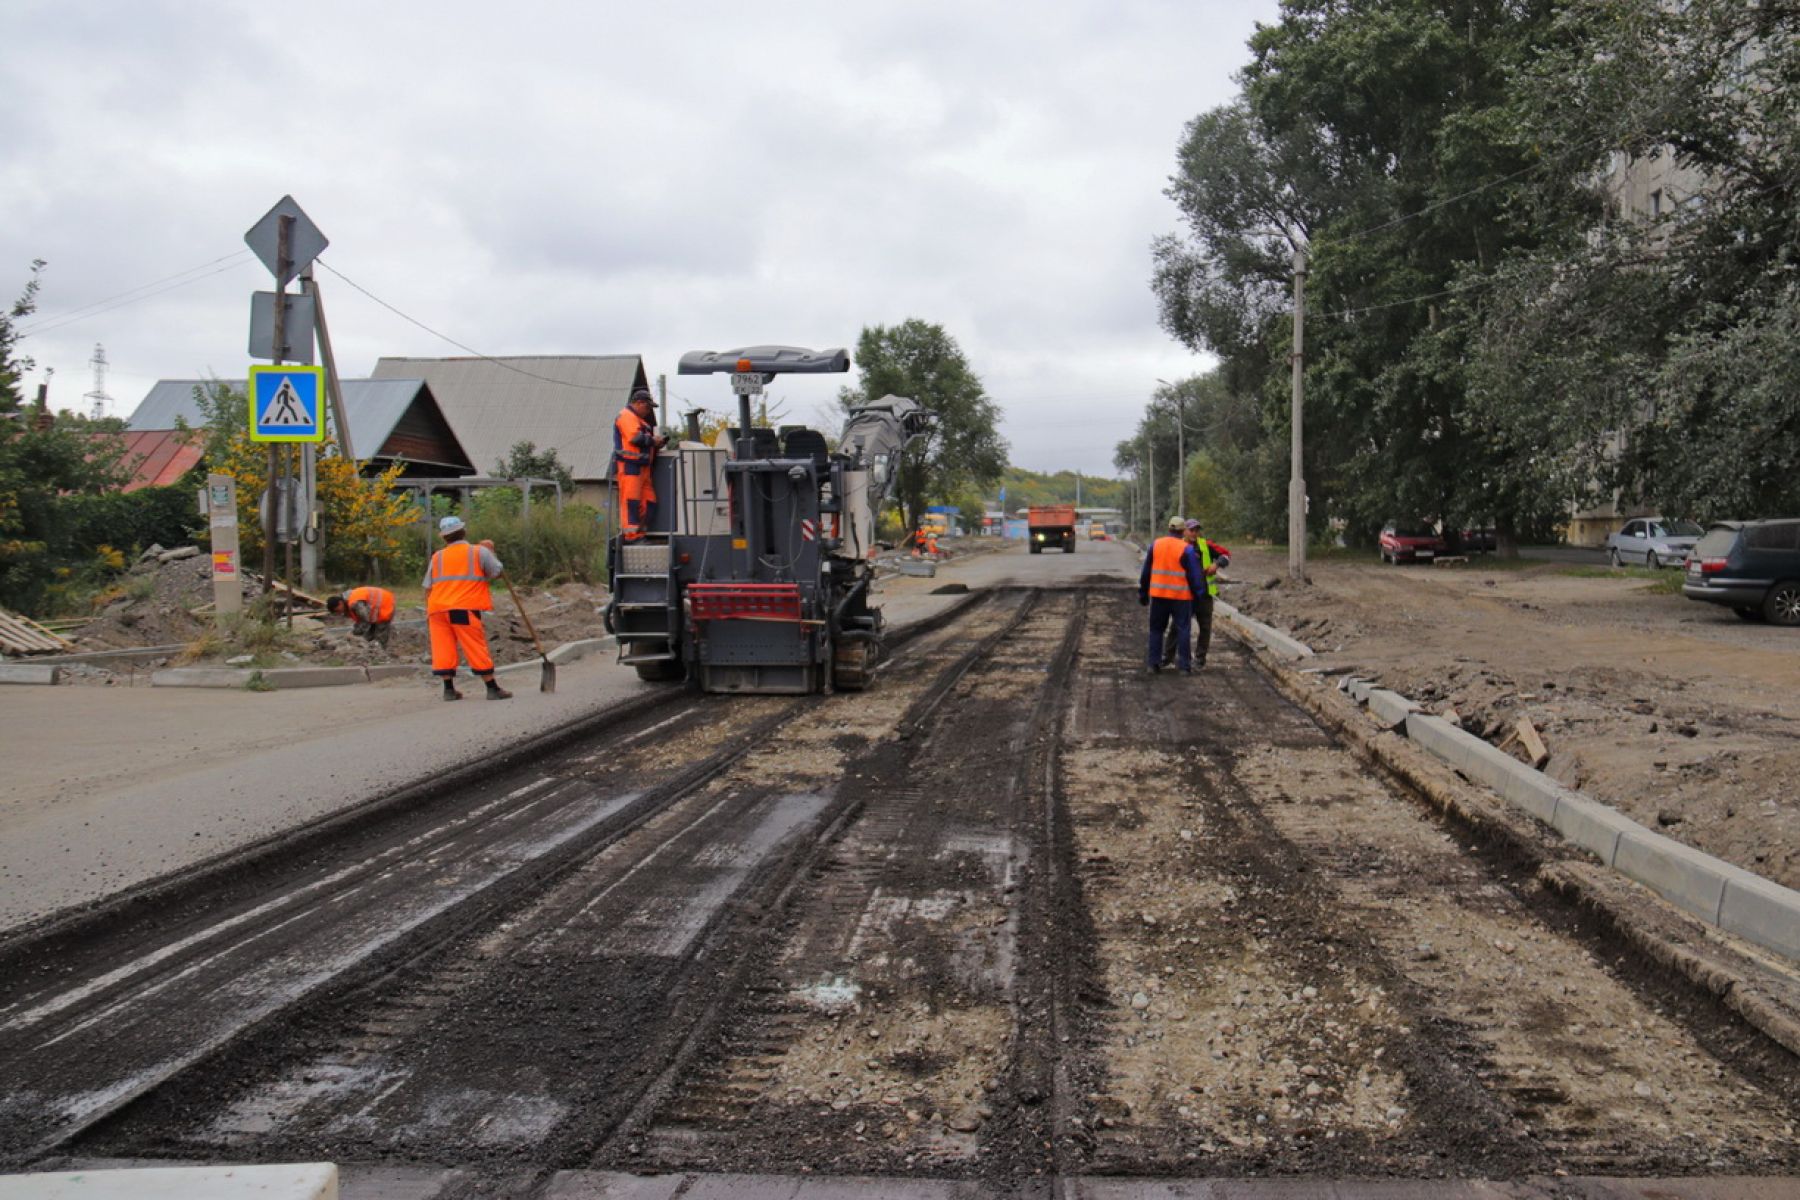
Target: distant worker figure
{"points": [[371, 608], [635, 443], [1203, 601], [456, 587], [1170, 580]]}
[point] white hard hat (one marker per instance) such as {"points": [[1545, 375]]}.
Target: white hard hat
{"points": [[450, 524]]}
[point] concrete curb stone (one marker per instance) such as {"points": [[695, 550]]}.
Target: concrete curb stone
{"points": [[395, 671], [206, 677], [42, 674], [1725, 896], [303, 677]]}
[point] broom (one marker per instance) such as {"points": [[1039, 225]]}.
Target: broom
{"points": [[547, 681]]}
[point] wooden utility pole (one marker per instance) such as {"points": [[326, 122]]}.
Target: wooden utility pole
{"points": [[1296, 475]]}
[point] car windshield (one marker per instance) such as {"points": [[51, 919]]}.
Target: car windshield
{"points": [[1681, 529]]}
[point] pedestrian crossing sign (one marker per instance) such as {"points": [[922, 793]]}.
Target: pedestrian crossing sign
{"points": [[287, 404]]}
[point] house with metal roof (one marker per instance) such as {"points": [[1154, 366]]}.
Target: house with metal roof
{"points": [[565, 403], [391, 420]]}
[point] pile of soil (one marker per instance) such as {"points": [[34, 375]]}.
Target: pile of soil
{"points": [[1676, 713], [156, 606]]}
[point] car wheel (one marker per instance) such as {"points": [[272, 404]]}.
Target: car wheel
{"points": [[1782, 605], [1749, 614], [1652, 561], [1612, 557]]}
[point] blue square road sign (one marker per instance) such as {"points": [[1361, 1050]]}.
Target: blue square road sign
{"points": [[287, 404]]}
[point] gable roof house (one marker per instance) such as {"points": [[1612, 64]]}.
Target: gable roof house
{"points": [[391, 420], [564, 403]]}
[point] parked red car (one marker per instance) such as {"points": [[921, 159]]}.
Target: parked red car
{"points": [[1410, 541]]}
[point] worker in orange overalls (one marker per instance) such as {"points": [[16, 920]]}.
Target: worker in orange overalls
{"points": [[371, 608], [456, 594], [635, 443]]}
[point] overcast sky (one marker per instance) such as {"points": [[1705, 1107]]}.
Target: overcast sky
{"points": [[551, 177]]}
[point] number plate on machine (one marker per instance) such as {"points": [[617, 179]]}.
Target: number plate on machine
{"points": [[748, 382]]}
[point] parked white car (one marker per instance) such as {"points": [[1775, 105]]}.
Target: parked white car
{"points": [[1652, 542]]}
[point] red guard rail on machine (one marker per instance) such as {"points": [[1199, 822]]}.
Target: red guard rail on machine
{"points": [[744, 601]]}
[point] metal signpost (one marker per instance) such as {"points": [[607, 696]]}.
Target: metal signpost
{"points": [[287, 241]]}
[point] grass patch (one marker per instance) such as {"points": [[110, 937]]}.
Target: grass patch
{"points": [[1665, 581]]}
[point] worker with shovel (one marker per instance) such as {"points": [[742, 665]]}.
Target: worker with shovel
{"points": [[456, 594]]}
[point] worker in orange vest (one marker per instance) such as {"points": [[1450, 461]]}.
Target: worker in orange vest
{"points": [[371, 608], [456, 594], [1170, 580], [635, 443]]}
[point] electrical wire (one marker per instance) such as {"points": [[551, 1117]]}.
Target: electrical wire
{"points": [[125, 299]]}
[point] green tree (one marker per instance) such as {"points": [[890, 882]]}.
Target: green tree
{"points": [[920, 361], [13, 368], [526, 461]]}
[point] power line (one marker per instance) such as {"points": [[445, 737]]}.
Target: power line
{"points": [[125, 299], [498, 362]]}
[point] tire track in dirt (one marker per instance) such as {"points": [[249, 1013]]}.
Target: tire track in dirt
{"points": [[1263, 907], [882, 1034]]}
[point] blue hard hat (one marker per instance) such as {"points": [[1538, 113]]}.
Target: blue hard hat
{"points": [[450, 524]]}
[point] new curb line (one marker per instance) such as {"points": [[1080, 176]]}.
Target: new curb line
{"points": [[1725, 896], [285, 678]]}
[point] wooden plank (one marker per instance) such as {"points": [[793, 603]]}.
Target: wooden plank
{"points": [[1534, 745], [21, 635]]}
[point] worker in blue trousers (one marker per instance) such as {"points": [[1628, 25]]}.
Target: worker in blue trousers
{"points": [[1171, 578]]}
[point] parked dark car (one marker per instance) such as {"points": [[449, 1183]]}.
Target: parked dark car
{"points": [[1410, 541], [1481, 540], [1753, 568]]}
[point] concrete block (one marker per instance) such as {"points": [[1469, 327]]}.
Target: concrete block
{"points": [[1277, 642], [298, 1181], [1679, 874], [1391, 708], [207, 677], [1593, 826], [395, 671], [305, 677], [31, 673], [1359, 690], [1516, 782], [570, 651], [1761, 911]]}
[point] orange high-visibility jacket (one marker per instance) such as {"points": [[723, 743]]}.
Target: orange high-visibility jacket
{"points": [[1168, 576], [379, 600], [456, 578], [634, 441]]}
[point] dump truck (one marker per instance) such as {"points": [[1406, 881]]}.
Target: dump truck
{"points": [[1051, 525]]}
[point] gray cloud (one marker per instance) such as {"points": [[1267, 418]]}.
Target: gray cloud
{"points": [[554, 177]]}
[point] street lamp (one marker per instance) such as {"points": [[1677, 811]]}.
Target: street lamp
{"points": [[1180, 444]]}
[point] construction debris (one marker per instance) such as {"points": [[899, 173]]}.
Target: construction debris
{"points": [[22, 635]]}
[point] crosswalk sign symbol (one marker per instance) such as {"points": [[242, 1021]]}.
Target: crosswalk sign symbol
{"points": [[287, 404]]}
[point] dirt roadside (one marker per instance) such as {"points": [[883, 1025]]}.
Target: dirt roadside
{"points": [[1678, 714]]}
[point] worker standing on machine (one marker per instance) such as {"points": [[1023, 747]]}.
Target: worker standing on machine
{"points": [[372, 610], [1170, 580], [456, 594], [1203, 600], [635, 443]]}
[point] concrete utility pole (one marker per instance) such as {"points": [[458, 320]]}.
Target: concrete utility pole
{"points": [[1296, 477]]}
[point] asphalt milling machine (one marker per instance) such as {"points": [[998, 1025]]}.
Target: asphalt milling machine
{"points": [[753, 573]]}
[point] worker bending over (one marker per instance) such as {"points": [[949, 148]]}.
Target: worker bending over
{"points": [[456, 594], [1170, 580], [635, 443], [371, 608], [1208, 551]]}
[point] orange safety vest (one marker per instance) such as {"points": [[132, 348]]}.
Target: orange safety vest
{"points": [[379, 600], [455, 579], [629, 440], [1168, 579]]}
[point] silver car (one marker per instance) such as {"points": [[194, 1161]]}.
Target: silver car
{"points": [[1652, 542]]}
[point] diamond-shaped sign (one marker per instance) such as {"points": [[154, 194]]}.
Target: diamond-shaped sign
{"points": [[305, 243]]}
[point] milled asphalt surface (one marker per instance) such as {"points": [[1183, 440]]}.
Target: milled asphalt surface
{"points": [[108, 788]]}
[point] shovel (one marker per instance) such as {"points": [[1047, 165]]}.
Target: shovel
{"points": [[547, 682]]}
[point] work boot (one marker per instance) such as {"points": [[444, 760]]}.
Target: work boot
{"points": [[496, 692], [450, 692]]}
